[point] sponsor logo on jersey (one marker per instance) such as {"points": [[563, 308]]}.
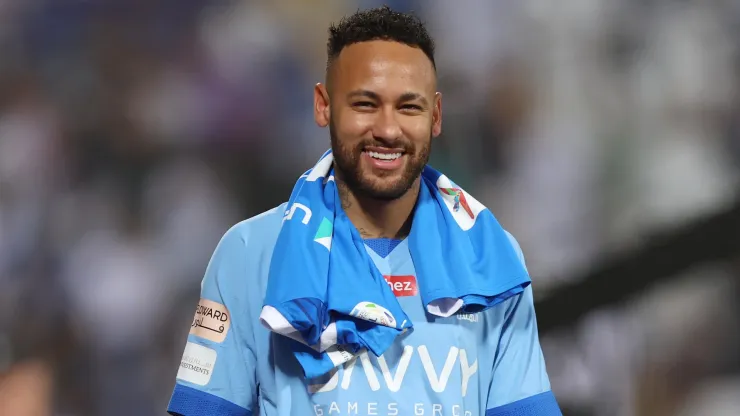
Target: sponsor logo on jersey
{"points": [[211, 321], [455, 365], [402, 285], [374, 313], [197, 364], [470, 317]]}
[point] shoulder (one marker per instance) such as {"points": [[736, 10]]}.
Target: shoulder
{"points": [[258, 232], [245, 250], [520, 300], [517, 248]]}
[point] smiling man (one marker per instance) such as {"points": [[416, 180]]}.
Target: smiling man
{"points": [[380, 287]]}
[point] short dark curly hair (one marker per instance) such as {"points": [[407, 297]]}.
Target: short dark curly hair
{"points": [[380, 23]]}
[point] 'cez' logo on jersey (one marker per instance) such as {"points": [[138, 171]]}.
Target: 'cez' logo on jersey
{"points": [[402, 285]]}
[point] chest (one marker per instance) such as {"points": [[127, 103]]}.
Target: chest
{"points": [[442, 366], [442, 363]]}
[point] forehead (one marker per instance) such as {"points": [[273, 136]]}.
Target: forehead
{"points": [[383, 65]]}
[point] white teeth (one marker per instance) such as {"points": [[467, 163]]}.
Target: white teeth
{"points": [[384, 156]]}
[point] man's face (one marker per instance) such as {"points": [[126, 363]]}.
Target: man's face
{"points": [[383, 114]]}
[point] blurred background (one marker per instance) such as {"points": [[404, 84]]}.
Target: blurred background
{"points": [[603, 134]]}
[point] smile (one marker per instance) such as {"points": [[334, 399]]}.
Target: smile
{"points": [[384, 156]]}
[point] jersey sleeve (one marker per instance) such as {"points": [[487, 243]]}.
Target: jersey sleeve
{"points": [[520, 385], [217, 373]]}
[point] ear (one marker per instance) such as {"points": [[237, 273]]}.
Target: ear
{"points": [[437, 115], [321, 108]]}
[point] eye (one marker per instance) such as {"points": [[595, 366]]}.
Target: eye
{"points": [[411, 107], [363, 104]]}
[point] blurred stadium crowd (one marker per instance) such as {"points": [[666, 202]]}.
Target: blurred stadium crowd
{"points": [[134, 133]]}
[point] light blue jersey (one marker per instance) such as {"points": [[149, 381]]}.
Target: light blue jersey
{"points": [[488, 363]]}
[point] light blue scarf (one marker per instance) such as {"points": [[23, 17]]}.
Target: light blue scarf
{"points": [[325, 292]]}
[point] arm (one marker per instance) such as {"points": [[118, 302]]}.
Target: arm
{"points": [[27, 389], [520, 385], [217, 374]]}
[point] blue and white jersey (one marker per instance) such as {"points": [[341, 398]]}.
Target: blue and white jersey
{"points": [[488, 363]]}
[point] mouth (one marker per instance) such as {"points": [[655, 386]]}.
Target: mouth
{"points": [[384, 158]]}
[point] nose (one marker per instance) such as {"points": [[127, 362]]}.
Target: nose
{"points": [[386, 126]]}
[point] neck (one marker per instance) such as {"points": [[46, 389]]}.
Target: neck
{"points": [[375, 218]]}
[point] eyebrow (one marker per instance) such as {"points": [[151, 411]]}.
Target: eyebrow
{"points": [[405, 97]]}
